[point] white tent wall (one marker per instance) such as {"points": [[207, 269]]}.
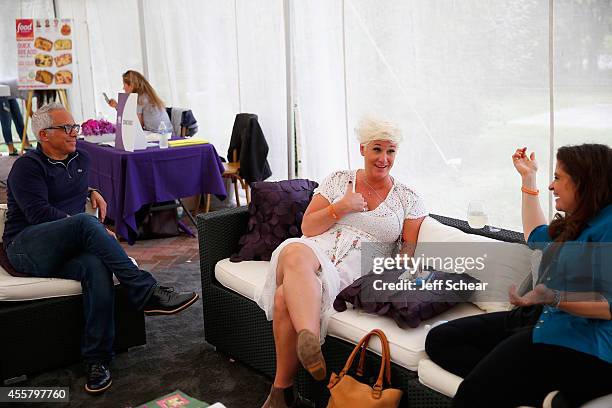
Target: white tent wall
{"points": [[220, 58], [583, 73], [10, 10], [263, 85], [452, 75], [466, 81], [114, 42], [81, 95], [106, 40], [319, 87], [191, 49]]}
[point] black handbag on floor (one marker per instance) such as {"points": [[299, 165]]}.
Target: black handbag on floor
{"points": [[157, 221]]}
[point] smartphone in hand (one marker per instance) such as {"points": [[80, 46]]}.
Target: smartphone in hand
{"points": [[106, 97]]}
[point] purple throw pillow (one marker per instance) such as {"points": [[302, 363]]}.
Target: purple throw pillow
{"points": [[276, 211], [407, 307]]}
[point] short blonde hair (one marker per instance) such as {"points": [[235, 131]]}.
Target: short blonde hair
{"points": [[371, 128]]}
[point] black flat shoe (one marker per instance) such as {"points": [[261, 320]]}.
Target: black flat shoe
{"points": [[15, 153], [165, 301], [98, 379]]}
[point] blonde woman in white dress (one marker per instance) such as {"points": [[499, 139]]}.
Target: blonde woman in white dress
{"points": [[349, 208]]}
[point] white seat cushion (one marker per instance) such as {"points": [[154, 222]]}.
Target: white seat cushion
{"points": [[505, 263], [14, 288], [438, 379], [242, 277], [407, 346]]}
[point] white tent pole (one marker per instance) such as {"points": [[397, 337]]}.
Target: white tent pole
{"points": [[348, 154], [551, 71], [237, 55], [143, 39], [289, 86]]}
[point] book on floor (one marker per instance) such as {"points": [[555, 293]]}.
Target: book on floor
{"points": [[178, 399]]}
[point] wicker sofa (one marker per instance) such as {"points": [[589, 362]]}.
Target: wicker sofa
{"points": [[42, 323], [236, 326]]}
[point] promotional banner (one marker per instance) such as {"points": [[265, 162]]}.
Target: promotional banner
{"points": [[45, 57], [129, 135]]}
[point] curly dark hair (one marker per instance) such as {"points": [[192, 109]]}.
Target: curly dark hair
{"points": [[590, 167]]}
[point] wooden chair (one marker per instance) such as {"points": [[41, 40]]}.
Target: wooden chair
{"points": [[246, 136], [232, 171]]}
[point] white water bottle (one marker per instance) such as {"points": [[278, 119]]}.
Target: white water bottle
{"points": [[163, 136]]}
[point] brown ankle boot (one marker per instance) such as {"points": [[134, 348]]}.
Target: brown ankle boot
{"points": [[276, 399]]}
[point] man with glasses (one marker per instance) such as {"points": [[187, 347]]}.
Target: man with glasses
{"points": [[48, 234]]}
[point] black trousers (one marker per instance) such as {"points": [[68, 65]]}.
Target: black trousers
{"points": [[503, 367]]}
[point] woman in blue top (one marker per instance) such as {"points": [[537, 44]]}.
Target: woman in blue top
{"points": [[560, 336]]}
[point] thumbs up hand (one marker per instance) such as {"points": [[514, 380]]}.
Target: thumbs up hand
{"points": [[352, 201]]}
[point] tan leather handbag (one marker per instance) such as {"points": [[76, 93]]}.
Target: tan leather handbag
{"points": [[346, 391]]}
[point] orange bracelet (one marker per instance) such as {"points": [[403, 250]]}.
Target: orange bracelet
{"points": [[530, 192], [332, 212]]}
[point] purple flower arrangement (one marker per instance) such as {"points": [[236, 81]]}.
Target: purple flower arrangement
{"points": [[97, 127]]}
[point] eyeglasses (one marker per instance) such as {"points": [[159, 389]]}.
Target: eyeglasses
{"points": [[67, 128]]}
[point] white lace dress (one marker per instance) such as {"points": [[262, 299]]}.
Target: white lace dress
{"points": [[339, 248]]}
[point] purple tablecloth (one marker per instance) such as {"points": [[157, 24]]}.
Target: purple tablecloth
{"points": [[129, 180]]}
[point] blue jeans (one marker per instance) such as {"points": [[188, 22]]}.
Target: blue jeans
{"points": [[9, 108], [80, 248]]}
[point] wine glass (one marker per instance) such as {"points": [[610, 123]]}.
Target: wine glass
{"points": [[476, 216]]}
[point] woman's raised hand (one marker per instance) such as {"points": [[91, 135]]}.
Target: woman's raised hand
{"points": [[524, 165], [352, 201], [112, 103]]}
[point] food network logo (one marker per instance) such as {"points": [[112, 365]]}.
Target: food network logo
{"points": [[24, 29]]}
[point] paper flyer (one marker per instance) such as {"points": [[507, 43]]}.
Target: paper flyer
{"points": [[45, 53]]}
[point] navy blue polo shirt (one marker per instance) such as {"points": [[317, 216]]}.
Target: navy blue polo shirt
{"points": [[41, 189]]}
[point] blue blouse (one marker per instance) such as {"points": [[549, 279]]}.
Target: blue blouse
{"points": [[583, 265]]}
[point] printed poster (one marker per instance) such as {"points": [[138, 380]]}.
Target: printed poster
{"points": [[45, 53]]}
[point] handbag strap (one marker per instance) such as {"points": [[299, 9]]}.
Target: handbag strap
{"points": [[384, 350], [385, 364]]}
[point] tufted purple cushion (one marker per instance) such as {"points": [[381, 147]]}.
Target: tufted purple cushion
{"points": [[276, 209], [407, 307]]}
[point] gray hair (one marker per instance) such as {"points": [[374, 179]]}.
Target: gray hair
{"points": [[41, 119], [372, 128]]}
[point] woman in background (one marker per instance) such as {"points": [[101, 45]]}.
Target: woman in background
{"points": [[151, 109]]}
